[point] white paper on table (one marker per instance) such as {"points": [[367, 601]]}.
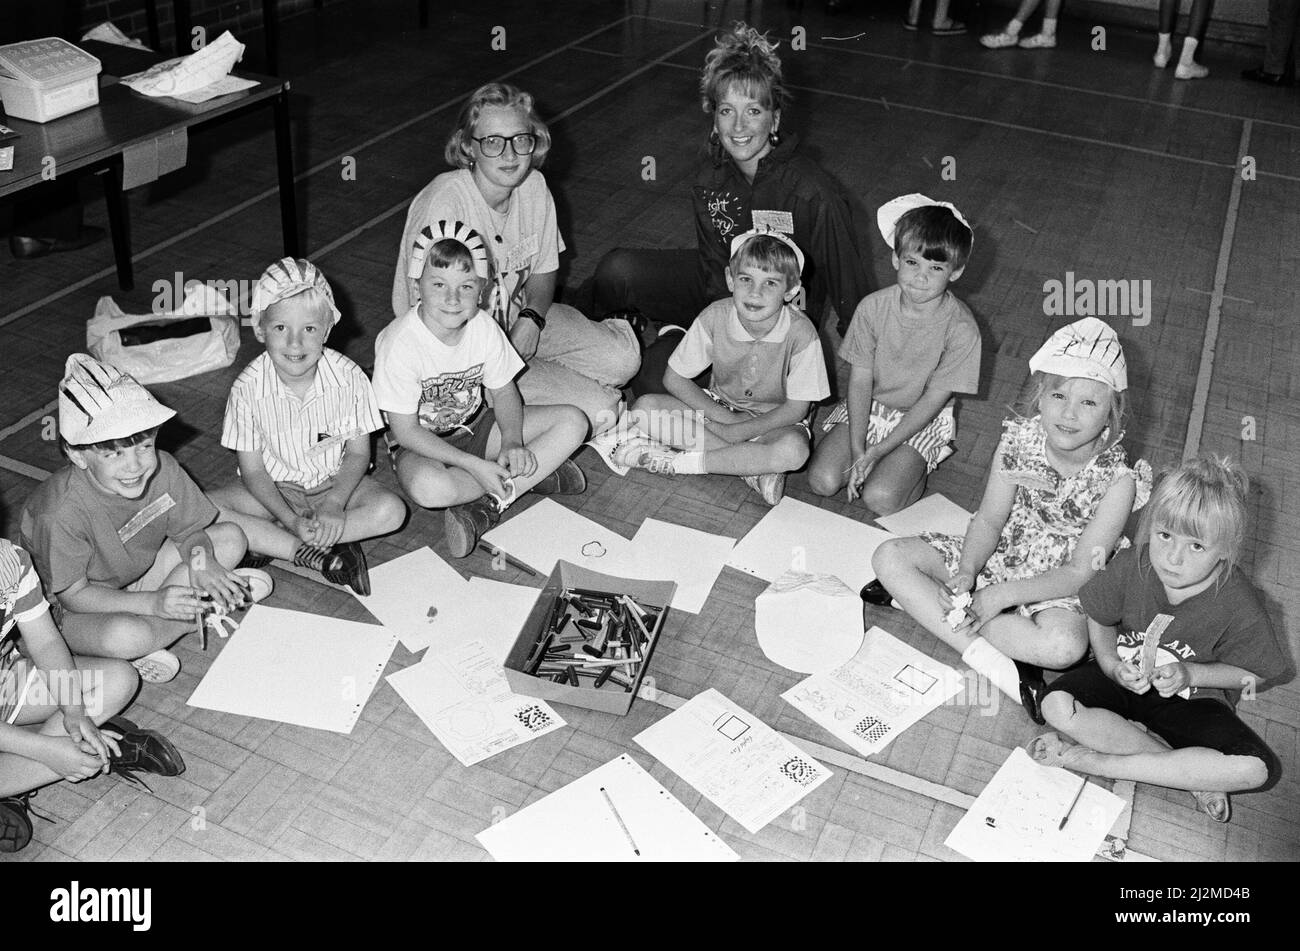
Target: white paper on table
{"points": [[548, 532], [877, 694], [575, 823], [735, 760], [187, 74], [1018, 815], [297, 668], [222, 87], [463, 698], [405, 590], [663, 551], [802, 537], [808, 623], [934, 513]]}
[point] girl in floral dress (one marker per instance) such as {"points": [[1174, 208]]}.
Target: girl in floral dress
{"points": [[1059, 492]]}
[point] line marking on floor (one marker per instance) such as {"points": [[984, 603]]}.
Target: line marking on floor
{"points": [[1201, 394], [30, 418]]}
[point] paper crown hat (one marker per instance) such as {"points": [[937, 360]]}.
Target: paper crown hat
{"points": [[289, 277], [739, 241], [1087, 348], [457, 231], [888, 214], [98, 402]]}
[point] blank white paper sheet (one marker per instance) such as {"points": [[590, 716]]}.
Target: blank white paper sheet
{"points": [[801, 537], [934, 513], [664, 551], [297, 668], [579, 823], [409, 593]]}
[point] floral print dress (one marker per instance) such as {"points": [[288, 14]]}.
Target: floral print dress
{"points": [[1049, 513]]}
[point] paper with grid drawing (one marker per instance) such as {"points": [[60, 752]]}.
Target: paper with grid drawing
{"points": [[734, 759], [462, 696], [1017, 817], [575, 823], [297, 668], [877, 694], [548, 532], [801, 537]]}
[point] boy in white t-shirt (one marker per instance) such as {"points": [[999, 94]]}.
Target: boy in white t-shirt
{"points": [[448, 447]]}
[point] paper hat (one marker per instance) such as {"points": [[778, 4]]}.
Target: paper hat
{"points": [[888, 214], [289, 277], [457, 231], [739, 240], [98, 402], [1087, 348]]}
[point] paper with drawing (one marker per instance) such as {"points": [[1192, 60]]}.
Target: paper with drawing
{"points": [[736, 761]]}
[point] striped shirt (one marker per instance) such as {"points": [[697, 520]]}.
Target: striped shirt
{"points": [[301, 440]]}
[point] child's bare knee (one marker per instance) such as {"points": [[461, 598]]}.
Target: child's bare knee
{"points": [[1064, 644], [790, 453], [883, 500], [1059, 708], [1252, 772], [430, 490], [390, 513], [112, 684], [823, 480], [126, 635], [228, 542]]}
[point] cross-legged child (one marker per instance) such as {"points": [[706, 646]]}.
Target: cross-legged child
{"points": [[125, 542], [910, 348], [449, 449], [1059, 492], [1177, 632], [300, 418], [767, 374], [52, 706]]}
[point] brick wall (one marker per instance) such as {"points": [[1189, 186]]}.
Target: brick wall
{"points": [[238, 16]]}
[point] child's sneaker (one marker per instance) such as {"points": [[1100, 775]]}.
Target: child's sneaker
{"points": [[770, 485], [998, 41], [157, 668], [567, 479], [465, 523], [641, 452], [1039, 41], [1191, 71], [260, 584], [349, 568], [143, 751], [15, 826], [952, 28]]}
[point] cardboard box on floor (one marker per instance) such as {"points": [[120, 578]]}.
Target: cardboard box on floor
{"points": [[611, 698]]}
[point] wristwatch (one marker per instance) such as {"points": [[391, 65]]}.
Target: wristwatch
{"points": [[535, 317]]}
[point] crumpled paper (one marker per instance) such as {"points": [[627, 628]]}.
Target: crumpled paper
{"points": [[188, 76]]}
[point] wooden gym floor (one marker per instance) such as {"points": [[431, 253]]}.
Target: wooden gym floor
{"points": [[1070, 160]]}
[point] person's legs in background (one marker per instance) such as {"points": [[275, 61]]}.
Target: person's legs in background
{"points": [[1281, 45]]}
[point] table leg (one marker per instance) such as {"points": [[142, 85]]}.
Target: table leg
{"points": [[284, 164], [151, 17], [271, 33], [119, 224], [184, 27]]}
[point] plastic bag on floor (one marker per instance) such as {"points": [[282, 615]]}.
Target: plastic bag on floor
{"points": [[158, 348]]}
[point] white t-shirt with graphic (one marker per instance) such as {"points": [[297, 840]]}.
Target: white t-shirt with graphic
{"points": [[415, 372], [526, 241]]}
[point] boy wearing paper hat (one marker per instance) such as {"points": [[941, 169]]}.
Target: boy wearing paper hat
{"points": [[910, 347], [299, 418], [126, 543]]}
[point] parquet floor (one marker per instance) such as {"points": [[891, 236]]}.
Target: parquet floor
{"points": [[1067, 161]]}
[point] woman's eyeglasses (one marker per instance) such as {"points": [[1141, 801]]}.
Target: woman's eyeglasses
{"points": [[493, 145]]}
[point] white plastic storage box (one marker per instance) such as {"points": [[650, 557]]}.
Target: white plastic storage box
{"points": [[43, 79]]}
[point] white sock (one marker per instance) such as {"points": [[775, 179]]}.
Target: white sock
{"points": [[983, 658], [1049, 26], [505, 501], [1013, 28], [1189, 52], [689, 463]]}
